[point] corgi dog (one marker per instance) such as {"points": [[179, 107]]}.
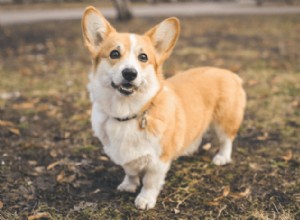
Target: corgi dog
{"points": [[145, 121]]}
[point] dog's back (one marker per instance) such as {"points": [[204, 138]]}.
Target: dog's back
{"points": [[209, 96]]}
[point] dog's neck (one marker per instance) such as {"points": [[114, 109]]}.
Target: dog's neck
{"points": [[142, 115], [142, 118]]}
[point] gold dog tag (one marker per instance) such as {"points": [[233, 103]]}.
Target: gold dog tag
{"points": [[143, 122]]}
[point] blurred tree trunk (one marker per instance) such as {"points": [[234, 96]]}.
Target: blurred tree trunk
{"points": [[152, 1], [259, 2], [18, 1], [123, 9]]}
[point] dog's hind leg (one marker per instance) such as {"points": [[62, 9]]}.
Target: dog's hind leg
{"points": [[224, 155], [228, 117]]}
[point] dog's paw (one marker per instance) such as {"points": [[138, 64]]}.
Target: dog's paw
{"points": [[145, 203], [127, 187], [220, 160]]}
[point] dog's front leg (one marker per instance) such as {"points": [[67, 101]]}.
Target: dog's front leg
{"points": [[153, 181], [132, 170], [130, 183]]}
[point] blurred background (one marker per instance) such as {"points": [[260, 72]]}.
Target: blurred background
{"points": [[51, 166]]}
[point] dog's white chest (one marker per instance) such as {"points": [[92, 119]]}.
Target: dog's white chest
{"points": [[123, 141]]}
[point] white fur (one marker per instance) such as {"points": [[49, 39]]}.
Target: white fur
{"points": [[110, 101], [153, 181], [124, 142], [137, 151], [224, 155], [129, 184]]}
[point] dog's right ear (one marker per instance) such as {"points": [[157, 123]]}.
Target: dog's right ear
{"points": [[95, 29]]}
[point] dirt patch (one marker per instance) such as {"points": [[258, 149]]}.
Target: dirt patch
{"points": [[52, 166]]}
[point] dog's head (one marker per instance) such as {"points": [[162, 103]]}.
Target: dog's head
{"points": [[127, 64]]}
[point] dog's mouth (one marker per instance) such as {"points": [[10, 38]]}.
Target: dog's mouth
{"points": [[125, 88]]}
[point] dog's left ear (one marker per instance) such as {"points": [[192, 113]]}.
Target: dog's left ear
{"points": [[95, 29], [164, 37]]}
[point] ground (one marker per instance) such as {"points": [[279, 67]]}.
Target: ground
{"points": [[51, 166]]}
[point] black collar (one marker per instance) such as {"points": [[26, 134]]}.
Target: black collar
{"points": [[127, 118], [142, 118]]}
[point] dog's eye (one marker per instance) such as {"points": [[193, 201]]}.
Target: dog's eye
{"points": [[143, 57], [115, 54]]}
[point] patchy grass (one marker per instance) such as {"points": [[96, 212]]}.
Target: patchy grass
{"points": [[52, 166]]}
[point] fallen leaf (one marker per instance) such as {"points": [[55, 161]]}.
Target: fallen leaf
{"points": [[263, 137], [288, 156], [22, 106], [255, 166], [6, 123], [52, 165], [213, 203], [96, 191], [226, 191], [176, 211], [39, 215], [60, 177], [53, 153], [1, 204], [79, 117], [32, 162], [42, 108], [296, 103], [39, 169], [15, 131], [103, 158], [67, 134], [69, 179], [241, 194]]}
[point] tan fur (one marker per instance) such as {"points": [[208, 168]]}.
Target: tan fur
{"points": [[191, 100], [201, 96], [162, 119], [91, 45]]}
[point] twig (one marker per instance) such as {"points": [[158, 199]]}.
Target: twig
{"points": [[221, 210]]}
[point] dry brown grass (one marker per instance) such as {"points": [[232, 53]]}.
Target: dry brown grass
{"points": [[44, 110]]}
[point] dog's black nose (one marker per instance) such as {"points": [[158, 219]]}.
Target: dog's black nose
{"points": [[129, 74]]}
